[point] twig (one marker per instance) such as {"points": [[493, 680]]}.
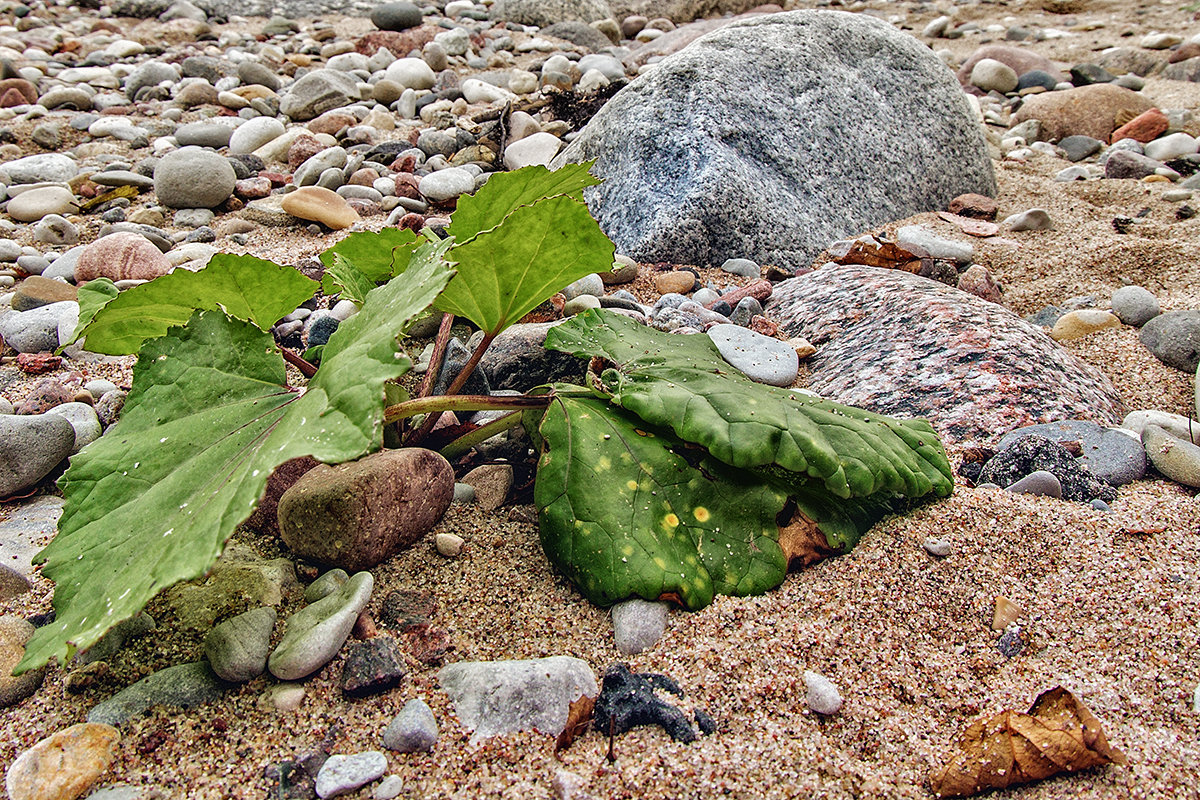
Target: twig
{"points": [[293, 358], [439, 354]]}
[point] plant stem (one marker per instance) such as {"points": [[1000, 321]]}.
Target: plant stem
{"points": [[455, 387], [464, 443], [463, 402], [291, 357], [439, 354]]}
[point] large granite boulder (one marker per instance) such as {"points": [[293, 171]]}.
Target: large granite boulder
{"points": [[548, 12], [900, 344], [775, 135]]}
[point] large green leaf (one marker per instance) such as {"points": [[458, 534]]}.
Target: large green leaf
{"points": [[377, 256], [347, 280], [208, 418], [505, 192], [92, 297], [630, 512], [504, 273], [245, 287], [682, 383]]}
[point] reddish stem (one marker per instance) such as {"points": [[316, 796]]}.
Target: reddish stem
{"points": [[291, 357]]}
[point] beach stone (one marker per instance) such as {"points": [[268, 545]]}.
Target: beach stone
{"points": [[1040, 483], [493, 698], [629, 700], [193, 177], [44, 167], [1174, 145], [976, 280], [449, 545], [1078, 148], [396, 16], [543, 13], [317, 92], [638, 624], [760, 358], [184, 685], [33, 205], [202, 134], [537, 148], [820, 694], [1083, 322], [517, 360], [36, 330], [1122, 60], [14, 633], [491, 483], [111, 642], [30, 447], [329, 582], [446, 184], [120, 256], [254, 133], [29, 525], [587, 285], [1126, 164], [1032, 219], [237, 649], [1032, 453], [1177, 459], [359, 514], [55, 230], [933, 244], [1174, 338], [895, 343], [1111, 454], [938, 548], [318, 204], [677, 281], [1082, 111], [84, 422], [388, 788], [414, 730], [12, 583], [109, 406], [316, 633], [373, 666], [1020, 60], [991, 75], [411, 73], [1134, 305], [767, 82], [64, 765], [343, 774], [1145, 127]]}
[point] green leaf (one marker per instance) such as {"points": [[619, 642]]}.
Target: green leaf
{"points": [[347, 280], [627, 511], [504, 273], [376, 255], [92, 297], [244, 287], [682, 383], [505, 192], [208, 418]]}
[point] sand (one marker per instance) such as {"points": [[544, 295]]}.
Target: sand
{"points": [[1111, 602]]}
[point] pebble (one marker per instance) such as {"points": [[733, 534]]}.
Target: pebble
{"points": [[48, 167], [1077, 324], [14, 634], [30, 447], [328, 583], [84, 422], [343, 774], [536, 149], [446, 184], [939, 548], [991, 75], [35, 204], [821, 694], [1134, 305], [316, 633], [184, 685], [933, 244], [237, 649], [1034, 219], [587, 285], [679, 281], [396, 16], [64, 765], [1174, 338], [388, 788], [411, 73], [1175, 458], [123, 255], [760, 358], [638, 624], [449, 545], [1111, 454], [255, 133], [193, 177], [492, 483], [414, 729], [1005, 613], [36, 330], [744, 267], [372, 666], [319, 204], [1040, 483]]}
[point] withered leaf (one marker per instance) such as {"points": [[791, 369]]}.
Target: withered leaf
{"points": [[1058, 734], [579, 716], [874, 253], [803, 542], [971, 226]]}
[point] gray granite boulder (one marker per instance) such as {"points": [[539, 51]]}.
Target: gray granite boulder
{"points": [[900, 344], [548, 12], [775, 135]]}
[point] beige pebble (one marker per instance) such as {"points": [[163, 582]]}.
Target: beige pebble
{"points": [[676, 281], [624, 270], [1007, 612], [491, 483], [318, 204], [63, 766], [1077, 324], [14, 633], [34, 204], [285, 696], [449, 544], [803, 347]]}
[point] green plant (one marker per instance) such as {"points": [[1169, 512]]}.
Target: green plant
{"points": [[711, 483]]}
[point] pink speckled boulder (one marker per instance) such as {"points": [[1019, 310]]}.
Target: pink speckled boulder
{"points": [[121, 256]]}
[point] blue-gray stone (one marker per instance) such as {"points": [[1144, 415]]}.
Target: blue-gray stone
{"points": [[414, 730], [760, 358], [1174, 338], [30, 447], [1111, 454], [184, 685], [700, 160]]}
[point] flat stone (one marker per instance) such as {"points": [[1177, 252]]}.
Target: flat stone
{"points": [[760, 358], [638, 624], [1040, 483], [237, 649], [63, 765], [446, 184], [36, 330], [491, 483], [35, 204], [48, 167], [318, 204], [184, 685], [1083, 322], [1111, 454], [538, 148], [493, 698], [317, 632], [317, 92], [343, 774], [373, 666], [414, 729]]}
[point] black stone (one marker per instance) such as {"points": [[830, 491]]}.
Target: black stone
{"points": [[457, 356], [321, 330], [1011, 644], [373, 666], [1085, 74], [1032, 453], [1036, 77], [628, 700]]}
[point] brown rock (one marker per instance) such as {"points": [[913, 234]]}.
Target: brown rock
{"points": [[12, 583], [37, 291], [1145, 127], [973, 205], [302, 149], [48, 393], [318, 204], [24, 89], [363, 177], [265, 518], [14, 633], [331, 122], [196, 94], [979, 282], [359, 514], [63, 766], [400, 43], [1020, 59], [1184, 52], [491, 483], [121, 256], [10, 98], [760, 290], [1085, 110], [675, 281]]}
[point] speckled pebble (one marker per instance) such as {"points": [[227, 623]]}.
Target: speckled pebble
{"points": [[341, 774]]}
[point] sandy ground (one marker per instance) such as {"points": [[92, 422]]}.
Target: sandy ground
{"points": [[1111, 601]]}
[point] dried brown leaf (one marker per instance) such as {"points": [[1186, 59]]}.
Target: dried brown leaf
{"points": [[801, 540], [887, 255], [1058, 734], [579, 716]]}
